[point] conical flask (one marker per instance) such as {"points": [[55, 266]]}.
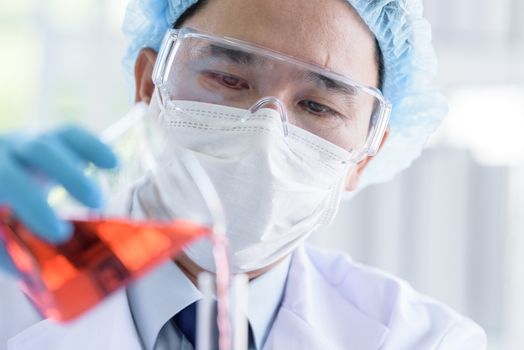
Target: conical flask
{"points": [[142, 224]]}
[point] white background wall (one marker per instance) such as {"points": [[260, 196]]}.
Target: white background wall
{"points": [[452, 225]]}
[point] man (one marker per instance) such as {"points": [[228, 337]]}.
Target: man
{"points": [[281, 102]]}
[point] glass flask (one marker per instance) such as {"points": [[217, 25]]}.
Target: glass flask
{"points": [[141, 225]]}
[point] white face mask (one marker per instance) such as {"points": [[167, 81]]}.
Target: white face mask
{"points": [[275, 190]]}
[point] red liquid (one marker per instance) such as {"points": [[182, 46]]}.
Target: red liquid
{"points": [[66, 280]]}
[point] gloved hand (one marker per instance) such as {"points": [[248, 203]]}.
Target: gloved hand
{"points": [[29, 164]]}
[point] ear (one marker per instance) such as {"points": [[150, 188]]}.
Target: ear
{"points": [[144, 65], [355, 173]]}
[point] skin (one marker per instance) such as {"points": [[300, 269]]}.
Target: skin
{"points": [[327, 33]]}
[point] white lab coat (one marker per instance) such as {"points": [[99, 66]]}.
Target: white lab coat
{"points": [[329, 303]]}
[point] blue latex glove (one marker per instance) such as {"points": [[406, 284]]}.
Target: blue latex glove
{"points": [[28, 164]]}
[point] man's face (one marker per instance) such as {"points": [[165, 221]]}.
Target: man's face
{"points": [[326, 33]]}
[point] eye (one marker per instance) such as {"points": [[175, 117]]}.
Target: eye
{"points": [[317, 108], [229, 81]]}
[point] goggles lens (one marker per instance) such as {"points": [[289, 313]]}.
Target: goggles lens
{"points": [[199, 67]]}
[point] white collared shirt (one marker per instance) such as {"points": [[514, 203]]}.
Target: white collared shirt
{"points": [[156, 298]]}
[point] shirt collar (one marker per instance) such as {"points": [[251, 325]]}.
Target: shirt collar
{"points": [[166, 291], [157, 297], [265, 297]]}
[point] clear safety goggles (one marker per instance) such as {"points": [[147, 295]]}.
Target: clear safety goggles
{"points": [[197, 66]]}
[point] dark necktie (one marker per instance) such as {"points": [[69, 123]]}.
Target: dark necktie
{"points": [[185, 321]]}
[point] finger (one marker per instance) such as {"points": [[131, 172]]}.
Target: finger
{"points": [[6, 264], [29, 204], [88, 146], [55, 160]]}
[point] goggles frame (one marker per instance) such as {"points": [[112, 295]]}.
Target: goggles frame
{"points": [[172, 40]]}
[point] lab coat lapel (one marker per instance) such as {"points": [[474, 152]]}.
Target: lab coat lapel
{"points": [[108, 326], [316, 315]]}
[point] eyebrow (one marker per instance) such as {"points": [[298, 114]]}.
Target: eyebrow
{"points": [[247, 58], [332, 85], [233, 55]]}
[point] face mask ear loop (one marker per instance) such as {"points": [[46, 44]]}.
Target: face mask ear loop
{"points": [[159, 100]]}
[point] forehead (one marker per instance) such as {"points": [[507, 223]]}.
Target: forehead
{"points": [[327, 33]]}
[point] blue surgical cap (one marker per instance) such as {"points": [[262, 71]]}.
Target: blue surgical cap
{"points": [[404, 37]]}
